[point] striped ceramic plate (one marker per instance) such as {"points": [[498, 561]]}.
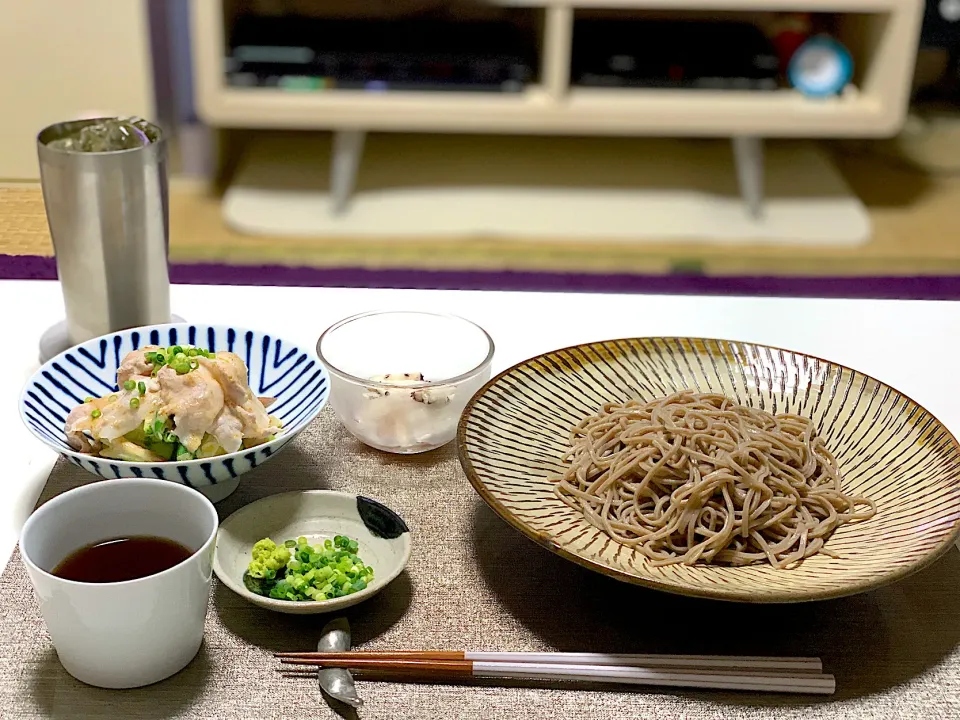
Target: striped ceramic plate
{"points": [[514, 431]]}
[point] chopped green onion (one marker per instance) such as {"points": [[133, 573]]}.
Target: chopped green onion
{"points": [[142, 387], [88, 399], [134, 403], [326, 570], [169, 437], [95, 414], [129, 385], [181, 359], [112, 398]]}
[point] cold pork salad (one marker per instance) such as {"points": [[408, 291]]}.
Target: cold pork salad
{"points": [[174, 403]]}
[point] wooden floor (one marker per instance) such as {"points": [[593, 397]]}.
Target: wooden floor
{"points": [[916, 220]]}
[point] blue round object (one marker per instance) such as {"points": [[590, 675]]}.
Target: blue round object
{"points": [[820, 67]]}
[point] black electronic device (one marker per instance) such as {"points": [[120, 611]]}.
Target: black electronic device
{"points": [[673, 54], [940, 30], [941, 24], [377, 55]]}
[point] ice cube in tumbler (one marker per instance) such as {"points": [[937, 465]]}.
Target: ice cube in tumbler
{"points": [[106, 136]]}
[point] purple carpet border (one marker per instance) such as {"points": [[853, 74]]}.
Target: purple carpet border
{"points": [[932, 287]]}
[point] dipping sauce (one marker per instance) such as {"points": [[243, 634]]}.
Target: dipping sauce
{"points": [[122, 558]]}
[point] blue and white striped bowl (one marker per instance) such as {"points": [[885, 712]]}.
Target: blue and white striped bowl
{"points": [[277, 368]]}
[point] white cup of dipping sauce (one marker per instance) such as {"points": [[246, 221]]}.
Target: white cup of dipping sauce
{"points": [[131, 633]]}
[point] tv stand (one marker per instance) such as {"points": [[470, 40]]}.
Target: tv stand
{"points": [[882, 36]]}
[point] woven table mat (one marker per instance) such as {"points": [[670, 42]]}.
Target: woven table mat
{"points": [[474, 583]]}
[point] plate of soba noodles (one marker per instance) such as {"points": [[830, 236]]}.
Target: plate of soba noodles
{"points": [[714, 468]]}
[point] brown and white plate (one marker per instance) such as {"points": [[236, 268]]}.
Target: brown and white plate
{"points": [[515, 429]]}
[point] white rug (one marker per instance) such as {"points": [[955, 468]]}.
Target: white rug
{"points": [[549, 189]]}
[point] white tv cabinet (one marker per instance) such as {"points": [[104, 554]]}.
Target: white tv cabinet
{"points": [[882, 36]]}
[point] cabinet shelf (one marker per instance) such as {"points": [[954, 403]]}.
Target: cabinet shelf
{"points": [[599, 111], [881, 34]]}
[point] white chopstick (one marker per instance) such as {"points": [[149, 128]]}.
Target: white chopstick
{"points": [[721, 679], [699, 662], [727, 676]]}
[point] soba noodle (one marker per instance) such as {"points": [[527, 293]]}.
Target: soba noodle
{"points": [[699, 478]]}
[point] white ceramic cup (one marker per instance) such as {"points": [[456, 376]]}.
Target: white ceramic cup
{"points": [[132, 633]]}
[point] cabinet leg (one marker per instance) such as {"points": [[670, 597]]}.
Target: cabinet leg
{"points": [[344, 163], [748, 155]]}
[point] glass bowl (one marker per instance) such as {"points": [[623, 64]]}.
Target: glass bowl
{"points": [[399, 380]]}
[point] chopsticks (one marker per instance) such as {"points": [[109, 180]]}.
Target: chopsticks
{"points": [[719, 662], [759, 674]]}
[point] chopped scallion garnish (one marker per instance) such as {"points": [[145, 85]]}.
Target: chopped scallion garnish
{"points": [[296, 571], [129, 385], [184, 454], [181, 359], [134, 403], [95, 414]]}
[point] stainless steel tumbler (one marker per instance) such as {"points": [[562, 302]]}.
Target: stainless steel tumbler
{"points": [[109, 219]]}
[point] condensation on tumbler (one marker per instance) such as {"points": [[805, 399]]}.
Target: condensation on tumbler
{"points": [[104, 185]]}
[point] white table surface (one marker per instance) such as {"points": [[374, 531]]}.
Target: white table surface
{"points": [[912, 345]]}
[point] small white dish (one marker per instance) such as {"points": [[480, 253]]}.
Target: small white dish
{"points": [[400, 379], [317, 515]]}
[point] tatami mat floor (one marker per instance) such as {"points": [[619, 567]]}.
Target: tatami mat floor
{"points": [[916, 231]]}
